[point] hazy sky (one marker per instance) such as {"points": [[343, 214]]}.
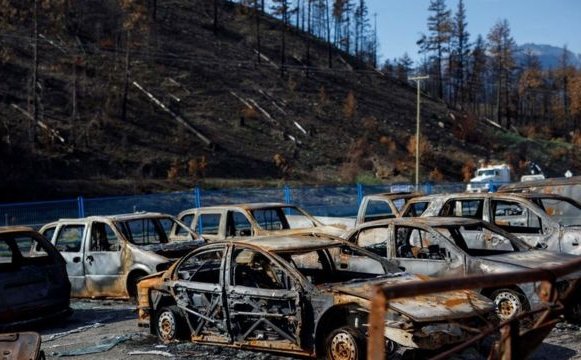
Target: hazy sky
{"points": [[552, 22]]}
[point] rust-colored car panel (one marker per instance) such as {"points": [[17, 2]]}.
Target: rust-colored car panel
{"points": [[33, 279], [297, 295], [106, 255], [254, 219], [20, 346]]}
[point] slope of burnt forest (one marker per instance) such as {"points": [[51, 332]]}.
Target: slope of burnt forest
{"points": [[237, 118]]}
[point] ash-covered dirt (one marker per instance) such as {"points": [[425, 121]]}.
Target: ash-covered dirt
{"points": [[105, 329]]}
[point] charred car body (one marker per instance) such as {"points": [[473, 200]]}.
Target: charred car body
{"points": [[253, 219], [106, 255], [299, 295], [542, 220], [33, 278], [439, 247], [383, 206]]}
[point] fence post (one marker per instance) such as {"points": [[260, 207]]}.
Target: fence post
{"points": [[287, 194], [359, 194], [81, 206], [197, 205]]}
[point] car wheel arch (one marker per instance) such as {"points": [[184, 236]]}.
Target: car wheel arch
{"points": [[333, 318]]}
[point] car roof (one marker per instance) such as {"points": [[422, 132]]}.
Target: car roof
{"points": [[118, 217], [427, 221], [244, 206], [394, 195], [505, 195], [280, 244], [16, 228]]}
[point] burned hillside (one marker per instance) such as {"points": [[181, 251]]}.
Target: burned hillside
{"points": [[133, 100]]}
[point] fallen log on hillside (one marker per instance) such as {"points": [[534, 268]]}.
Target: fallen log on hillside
{"points": [[176, 117]]}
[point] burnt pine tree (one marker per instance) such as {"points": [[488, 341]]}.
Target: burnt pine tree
{"points": [[477, 75], [502, 47], [281, 8], [436, 42], [460, 50]]}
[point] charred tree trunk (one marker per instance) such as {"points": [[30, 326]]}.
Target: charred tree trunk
{"points": [[34, 85], [126, 86], [257, 16]]}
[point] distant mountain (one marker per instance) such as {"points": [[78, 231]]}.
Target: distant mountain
{"points": [[548, 55]]}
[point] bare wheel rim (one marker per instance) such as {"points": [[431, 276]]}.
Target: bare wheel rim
{"points": [[508, 304], [343, 347], [166, 325]]}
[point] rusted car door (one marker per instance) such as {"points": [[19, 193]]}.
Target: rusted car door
{"points": [[421, 251], [263, 299], [103, 260], [200, 294]]}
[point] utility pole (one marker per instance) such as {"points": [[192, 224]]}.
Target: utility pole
{"points": [[418, 80]]}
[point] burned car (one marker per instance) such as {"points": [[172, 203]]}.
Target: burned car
{"points": [[33, 278], [383, 206], [106, 255], [301, 295], [253, 219], [542, 220], [440, 247]]}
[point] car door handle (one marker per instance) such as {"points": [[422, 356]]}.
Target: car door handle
{"points": [[575, 243], [90, 259], [77, 259], [343, 266]]}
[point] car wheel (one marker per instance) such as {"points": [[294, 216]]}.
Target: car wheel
{"points": [[345, 343], [168, 324], [509, 303]]}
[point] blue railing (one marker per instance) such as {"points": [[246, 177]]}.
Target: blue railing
{"points": [[340, 201]]}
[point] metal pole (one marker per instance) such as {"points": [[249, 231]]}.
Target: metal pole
{"points": [[418, 79]]}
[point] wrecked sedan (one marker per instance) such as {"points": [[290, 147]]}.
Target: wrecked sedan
{"points": [[33, 278], [542, 220], [107, 255], [439, 246], [253, 219], [298, 295]]}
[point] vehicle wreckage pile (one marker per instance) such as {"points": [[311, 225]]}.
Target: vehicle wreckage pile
{"points": [[415, 275]]}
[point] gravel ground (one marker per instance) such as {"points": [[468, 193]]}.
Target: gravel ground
{"points": [[110, 329]]}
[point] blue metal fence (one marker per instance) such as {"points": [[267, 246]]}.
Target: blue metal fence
{"points": [[319, 200]]}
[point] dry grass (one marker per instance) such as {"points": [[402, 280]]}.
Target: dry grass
{"points": [[389, 144], [468, 170], [436, 175], [350, 106]]}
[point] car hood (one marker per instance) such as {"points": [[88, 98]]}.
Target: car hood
{"points": [[425, 308], [523, 260], [173, 249]]}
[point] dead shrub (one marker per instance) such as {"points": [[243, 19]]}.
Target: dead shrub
{"points": [[436, 175], [370, 123], [468, 170], [349, 171], [529, 131], [282, 164], [424, 148], [357, 150], [350, 106], [465, 128], [389, 143], [559, 153], [576, 138], [174, 170], [249, 113]]}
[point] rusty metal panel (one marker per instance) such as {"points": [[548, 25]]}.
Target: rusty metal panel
{"points": [[20, 346]]}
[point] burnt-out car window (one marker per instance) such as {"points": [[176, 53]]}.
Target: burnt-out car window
{"points": [[471, 208], [202, 267], [145, 231], [416, 209], [253, 269], [18, 249], [103, 238], [271, 219], [479, 240], [208, 224], [70, 238]]}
